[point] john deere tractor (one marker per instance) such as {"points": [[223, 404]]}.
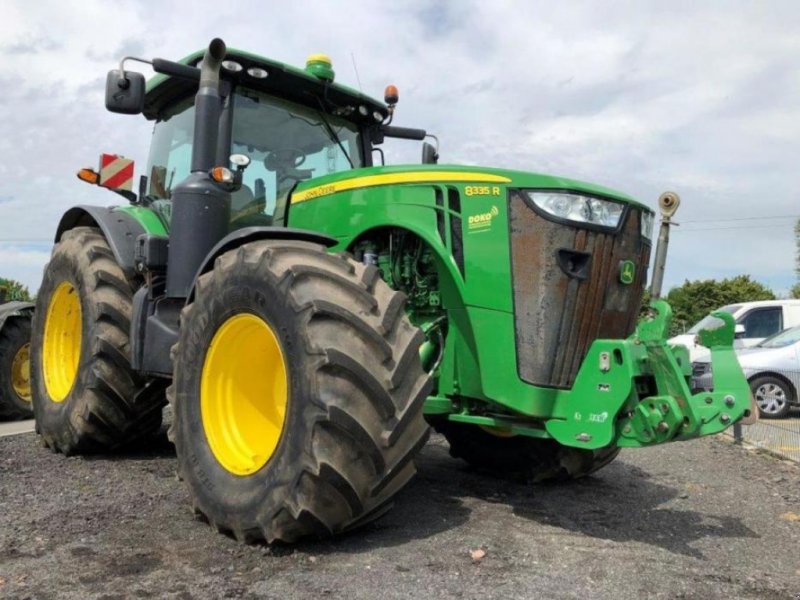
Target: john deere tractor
{"points": [[309, 311], [15, 336]]}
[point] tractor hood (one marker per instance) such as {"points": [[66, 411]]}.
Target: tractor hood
{"points": [[429, 174]]}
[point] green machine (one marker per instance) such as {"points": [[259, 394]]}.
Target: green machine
{"points": [[309, 311], [15, 334]]}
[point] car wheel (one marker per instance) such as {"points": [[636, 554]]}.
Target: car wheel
{"points": [[773, 396]]}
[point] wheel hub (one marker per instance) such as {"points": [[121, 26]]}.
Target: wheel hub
{"points": [[770, 398], [61, 351], [243, 394], [21, 372]]}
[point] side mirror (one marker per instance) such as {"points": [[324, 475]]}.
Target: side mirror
{"points": [[429, 154], [125, 92], [738, 331]]}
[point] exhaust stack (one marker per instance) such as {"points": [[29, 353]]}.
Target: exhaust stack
{"points": [[200, 207], [207, 108]]}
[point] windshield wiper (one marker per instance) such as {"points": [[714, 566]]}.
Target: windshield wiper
{"points": [[332, 133]]}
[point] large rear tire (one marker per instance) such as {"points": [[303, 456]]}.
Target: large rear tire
{"points": [[298, 393], [520, 457], [86, 397], [15, 385]]}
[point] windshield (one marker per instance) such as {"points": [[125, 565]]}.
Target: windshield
{"points": [[784, 338], [285, 142], [709, 322]]}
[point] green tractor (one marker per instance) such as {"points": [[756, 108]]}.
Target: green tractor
{"points": [[15, 337], [309, 313]]}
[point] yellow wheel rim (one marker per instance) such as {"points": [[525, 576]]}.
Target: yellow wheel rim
{"points": [[243, 394], [61, 348], [21, 372]]}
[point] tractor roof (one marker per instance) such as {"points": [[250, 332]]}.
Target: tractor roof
{"points": [[282, 80]]}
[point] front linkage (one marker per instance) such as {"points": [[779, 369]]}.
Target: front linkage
{"points": [[636, 392]]}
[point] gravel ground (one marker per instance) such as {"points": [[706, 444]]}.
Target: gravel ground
{"points": [[704, 519]]}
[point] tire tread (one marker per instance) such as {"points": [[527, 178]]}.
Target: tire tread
{"points": [[13, 334], [118, 405], [369, 424]]}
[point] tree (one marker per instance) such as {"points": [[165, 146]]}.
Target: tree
{"points": [[695, 299], [14, 290], [794, 291]]}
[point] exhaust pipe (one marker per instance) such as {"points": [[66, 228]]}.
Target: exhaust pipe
{"points": [[200, 207], [207, 108]]}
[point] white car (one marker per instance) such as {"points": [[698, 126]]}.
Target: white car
{"points": [[755, 321], [772, 368]]}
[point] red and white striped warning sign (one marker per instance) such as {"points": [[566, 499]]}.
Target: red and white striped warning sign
{"points": [[116, 172]]}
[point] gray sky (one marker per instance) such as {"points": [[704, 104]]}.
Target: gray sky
{"points": [[701, 98]]}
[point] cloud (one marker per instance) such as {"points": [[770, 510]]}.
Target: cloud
{"points": [[642, 97], [30, 44], [24, 263]]}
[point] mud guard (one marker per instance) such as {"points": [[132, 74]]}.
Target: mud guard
{"points": [[15, 309], [252, 234], [119, 228]]}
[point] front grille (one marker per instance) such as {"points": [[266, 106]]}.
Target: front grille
{"points": [[700, 368], [557, 316]]}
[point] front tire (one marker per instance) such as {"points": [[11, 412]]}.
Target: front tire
{"points": [[298, 393], [86, 397], [15, 386], [522, 458]]}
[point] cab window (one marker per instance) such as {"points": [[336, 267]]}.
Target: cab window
{"points": [[171, 150]]}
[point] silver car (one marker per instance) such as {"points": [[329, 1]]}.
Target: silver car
{"points": [[772, 368]]}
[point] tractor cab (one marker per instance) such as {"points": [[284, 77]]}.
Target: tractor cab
{"points": [[282, 125], [279, 126], [288, 124]]}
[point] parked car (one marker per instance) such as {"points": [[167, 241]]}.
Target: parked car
{"points": [[773, 369], [755, 321]]}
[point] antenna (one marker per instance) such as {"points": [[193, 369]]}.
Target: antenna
{"points": [[355, 68]]}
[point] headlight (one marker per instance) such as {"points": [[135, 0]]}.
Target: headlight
{"points": [[648, 221], [575, 207]]}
